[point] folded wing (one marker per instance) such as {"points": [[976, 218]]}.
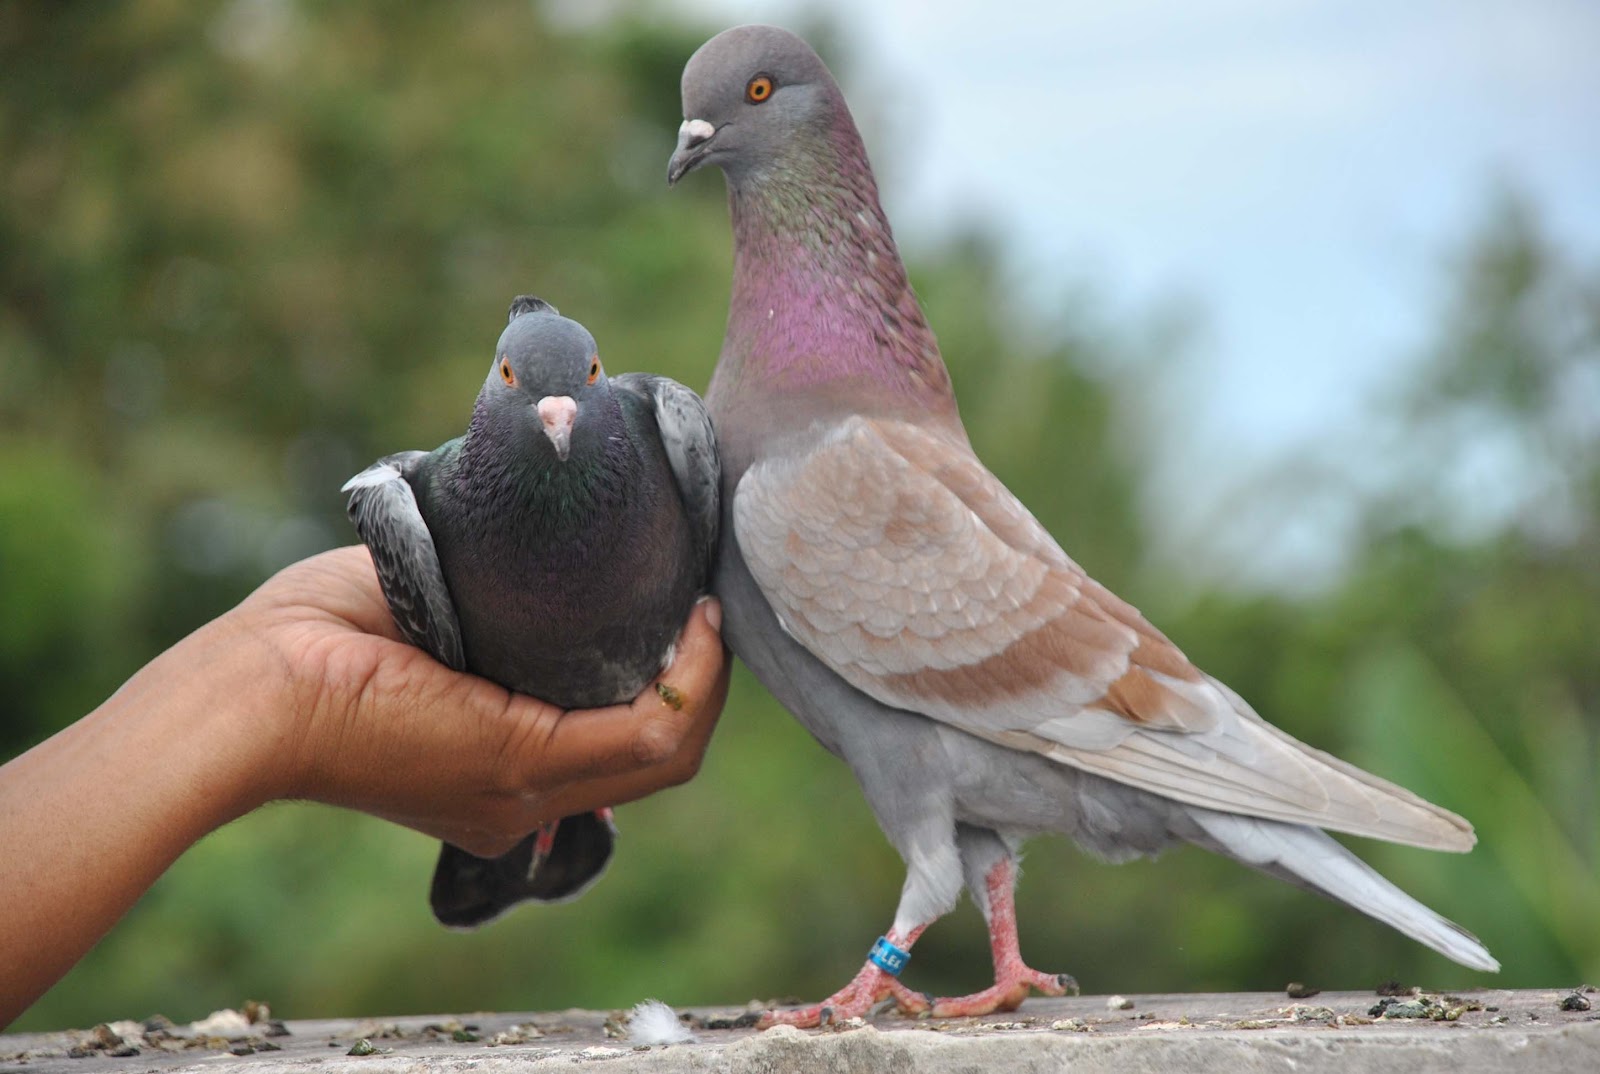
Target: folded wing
{"points": [[897, 559], [691, 448], [385, 513]]}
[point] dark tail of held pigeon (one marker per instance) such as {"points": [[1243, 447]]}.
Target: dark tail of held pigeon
{"points": [[1310, 858], [469, 891]]}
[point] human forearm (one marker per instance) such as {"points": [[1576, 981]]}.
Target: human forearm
{"points": [[90, 818]]}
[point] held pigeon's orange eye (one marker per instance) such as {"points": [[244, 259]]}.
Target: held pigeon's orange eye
{"points": [[506, 374], [759, 89], [594, 369]]}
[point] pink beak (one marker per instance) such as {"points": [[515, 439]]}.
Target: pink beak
{"points": [[557, 412]]}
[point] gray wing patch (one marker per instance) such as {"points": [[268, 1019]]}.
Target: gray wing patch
{"points": [[691, 447], [385, 513]]}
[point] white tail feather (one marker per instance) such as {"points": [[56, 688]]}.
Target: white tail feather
{"points": [[1320, 861]]}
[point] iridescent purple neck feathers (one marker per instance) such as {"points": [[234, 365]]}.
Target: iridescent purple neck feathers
{"points": [[820, 295]]}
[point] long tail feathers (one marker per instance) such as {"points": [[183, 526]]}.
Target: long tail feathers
{"points": [[1311, 857]]}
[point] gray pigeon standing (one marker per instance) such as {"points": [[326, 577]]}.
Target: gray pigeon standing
{"points": [[556, 549], [913, 615]]}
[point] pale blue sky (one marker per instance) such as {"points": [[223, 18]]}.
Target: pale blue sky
{"points": [[1296, 168]]}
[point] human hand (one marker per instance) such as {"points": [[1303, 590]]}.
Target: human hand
{"points": [[305, 691], [372, 723]]}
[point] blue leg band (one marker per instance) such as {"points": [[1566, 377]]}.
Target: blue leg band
{"points": [[887, 957]]}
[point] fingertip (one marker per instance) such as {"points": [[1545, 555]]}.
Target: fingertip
{"points": [[712, 607], [701, 634]]}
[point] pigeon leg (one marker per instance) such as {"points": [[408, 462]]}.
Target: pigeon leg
{"points": [[925, 835], [1012, 977], [855, 999]]}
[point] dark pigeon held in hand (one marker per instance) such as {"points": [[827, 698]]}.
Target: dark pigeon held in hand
{"points": [[556, 549], [919, 622]]}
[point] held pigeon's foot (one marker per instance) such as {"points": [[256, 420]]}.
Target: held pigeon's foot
{"points": [[544, 837], [1006, 994], [544, 841], [854, 1000]]}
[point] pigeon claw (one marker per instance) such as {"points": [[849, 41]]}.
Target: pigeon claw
{"points": [[916, 1004]]}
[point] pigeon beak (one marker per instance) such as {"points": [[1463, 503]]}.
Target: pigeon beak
{"points": [[694, 142], [556, 414]]}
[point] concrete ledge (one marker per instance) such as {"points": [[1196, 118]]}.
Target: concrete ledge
{"points": [[1461, 1034]]}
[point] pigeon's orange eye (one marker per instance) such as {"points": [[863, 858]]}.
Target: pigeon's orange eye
{"points": [[759, 89], [594, 369], [506, 374]]}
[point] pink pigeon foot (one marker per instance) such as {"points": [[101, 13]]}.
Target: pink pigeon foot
{"points": [[1006, 994], [855, 999]]}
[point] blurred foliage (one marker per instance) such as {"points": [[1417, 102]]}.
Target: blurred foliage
{"points": [[247, 247]]}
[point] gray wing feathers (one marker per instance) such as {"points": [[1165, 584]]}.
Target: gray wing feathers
{"points": [[1246, 765], [385, 513], [691, 447]]}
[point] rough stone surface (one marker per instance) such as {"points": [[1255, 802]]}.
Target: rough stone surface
{"points": [[1461, 1033]]}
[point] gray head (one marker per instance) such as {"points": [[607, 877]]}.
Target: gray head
{"points": [[750, 95], [547, 374]]}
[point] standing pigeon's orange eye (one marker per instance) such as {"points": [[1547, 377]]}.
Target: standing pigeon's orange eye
{"points": [[506, 374], [594, 369], [759, 89]]}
